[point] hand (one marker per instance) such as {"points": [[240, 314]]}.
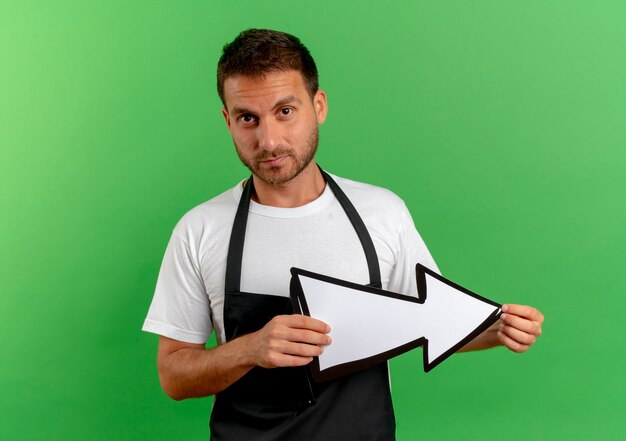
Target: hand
{"points": [[520, 327], [289, 340]]}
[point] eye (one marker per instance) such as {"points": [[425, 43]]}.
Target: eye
{"points": [[247, 118], [285, 112]]}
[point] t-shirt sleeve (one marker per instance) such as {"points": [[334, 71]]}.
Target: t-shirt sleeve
{"points": [[180, 307], [412, 250]]}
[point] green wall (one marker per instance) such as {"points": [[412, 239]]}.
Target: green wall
{"points": [[501, 123]]}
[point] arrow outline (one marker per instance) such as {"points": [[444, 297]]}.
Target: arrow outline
{"points": [[300, 306], [421, 272]]}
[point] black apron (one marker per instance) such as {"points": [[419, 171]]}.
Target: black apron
{"points": [[286, 403]]}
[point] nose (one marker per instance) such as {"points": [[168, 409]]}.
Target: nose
{"points": [[268, 134]]}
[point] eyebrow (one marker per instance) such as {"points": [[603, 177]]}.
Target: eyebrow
{"points": [[237, 110], [287, 100]]}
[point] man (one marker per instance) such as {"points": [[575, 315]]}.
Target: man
{"points": [[227, 265]]}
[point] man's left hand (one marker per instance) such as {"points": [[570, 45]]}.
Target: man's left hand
{"points": [[520, 326]]}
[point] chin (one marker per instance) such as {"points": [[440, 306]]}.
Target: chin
{"points": [[276, 175]]}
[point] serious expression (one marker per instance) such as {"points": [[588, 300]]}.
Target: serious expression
{"points": [[273, 121]]}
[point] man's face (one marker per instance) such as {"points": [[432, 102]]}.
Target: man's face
{"points": [[274, 123]]}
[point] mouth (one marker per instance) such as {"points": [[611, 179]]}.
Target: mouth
{"points": [[274, 162]]}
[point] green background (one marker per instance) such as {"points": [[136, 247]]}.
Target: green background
{"points": [[501, 123]]}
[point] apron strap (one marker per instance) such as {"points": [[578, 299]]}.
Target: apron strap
{"points": [[237, 237], [238, 234], [364, 236]]}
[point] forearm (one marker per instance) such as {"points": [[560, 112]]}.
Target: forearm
{"points": [[197, 372], [189, 370]]}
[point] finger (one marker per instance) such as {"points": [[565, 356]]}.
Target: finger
{"points": [[282, 331], [282, 353], [285, 360], [305, 322], [301, 349], [523, 324], [512, 344], [297, 361], [294, 361], [306, 336], [523, 311], [519, 336]]}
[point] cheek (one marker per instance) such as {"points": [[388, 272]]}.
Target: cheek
{"points": [[243, 139], [298, 131]]}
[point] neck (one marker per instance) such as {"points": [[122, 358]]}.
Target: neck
{"points": [[304, 188]]}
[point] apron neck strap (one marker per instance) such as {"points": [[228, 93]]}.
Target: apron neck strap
{"points": [[238, 234], [361, 231], [237, 237]]}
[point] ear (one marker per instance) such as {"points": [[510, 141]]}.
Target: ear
{"points": [[320, 105], [226, 116]]}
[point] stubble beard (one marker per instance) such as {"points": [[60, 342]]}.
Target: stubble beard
{"points": [[282, 173]]}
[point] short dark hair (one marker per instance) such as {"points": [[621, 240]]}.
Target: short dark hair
{"points": [[256, 52]]}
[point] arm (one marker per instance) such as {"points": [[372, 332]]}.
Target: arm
{"points": [[518, 329], [189, 370]]}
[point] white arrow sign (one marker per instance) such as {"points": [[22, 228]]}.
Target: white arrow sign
{"points": [[370, 325]]}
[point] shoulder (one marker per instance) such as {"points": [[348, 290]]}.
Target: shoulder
{"points": [[383, 212], [368, 196], [212, 216]]}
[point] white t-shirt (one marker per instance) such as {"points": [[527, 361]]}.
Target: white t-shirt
{"points": [[188, 303]]}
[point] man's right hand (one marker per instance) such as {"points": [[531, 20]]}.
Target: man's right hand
{"points": [[189, 370], [289, 340]]}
